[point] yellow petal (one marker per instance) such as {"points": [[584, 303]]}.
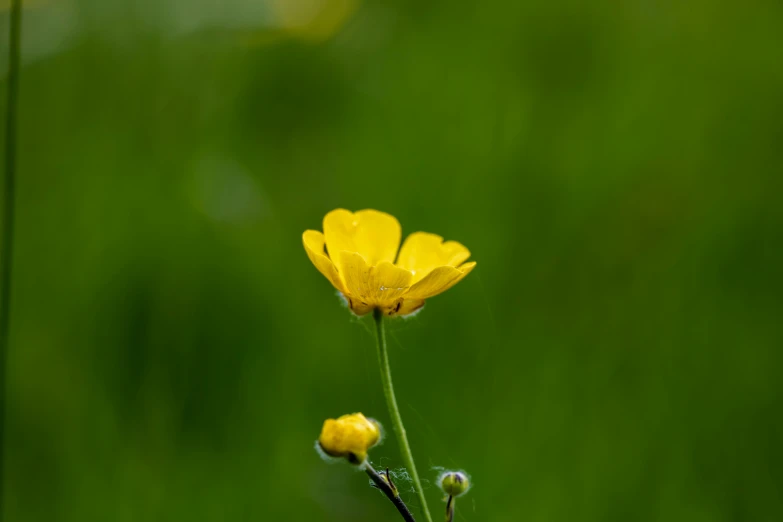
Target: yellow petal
{"points": [[314, 245], [422, 252], [406, 306], [373, 234], [357, 306], [439, 280], [381, 285]]}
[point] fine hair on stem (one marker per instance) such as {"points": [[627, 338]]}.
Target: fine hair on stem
{"points": [[390, 490]]}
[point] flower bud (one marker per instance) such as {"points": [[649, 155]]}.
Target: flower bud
{"points": [[349, 436], [454, 483]]}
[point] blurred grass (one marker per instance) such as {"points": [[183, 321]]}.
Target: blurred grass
{"points": [[615, 169]]}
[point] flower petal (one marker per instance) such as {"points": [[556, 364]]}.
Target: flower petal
{"points": [[409, 306], [357, 307], [373, 234], [439, 280], [380, 285], [422, 252], [314, 245]]}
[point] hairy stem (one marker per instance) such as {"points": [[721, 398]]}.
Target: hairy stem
{"points": [[9, 188], [389, 490], [394, 411]]}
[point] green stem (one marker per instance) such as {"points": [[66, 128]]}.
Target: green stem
{"points": [[9, 189], [394, 411], [450, 509]]}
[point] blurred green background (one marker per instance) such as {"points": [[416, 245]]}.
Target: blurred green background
{"points": [[615, 168]]}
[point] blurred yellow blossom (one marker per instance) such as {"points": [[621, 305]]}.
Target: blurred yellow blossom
{"points": [[359, 261], [349, 436], [312, 19]]}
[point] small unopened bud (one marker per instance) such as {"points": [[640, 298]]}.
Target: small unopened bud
{"points": [[349, 436], [454, 483]]}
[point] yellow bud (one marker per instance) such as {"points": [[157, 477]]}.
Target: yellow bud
{"points": [[349, 436], [454, 483]]}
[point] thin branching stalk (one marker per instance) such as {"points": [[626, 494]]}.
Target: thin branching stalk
{"points": [[9, 189], [388, 488], [394, 411]]}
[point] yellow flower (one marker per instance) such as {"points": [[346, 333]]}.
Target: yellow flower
{"points": [[360, 261], [349, 436]]}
